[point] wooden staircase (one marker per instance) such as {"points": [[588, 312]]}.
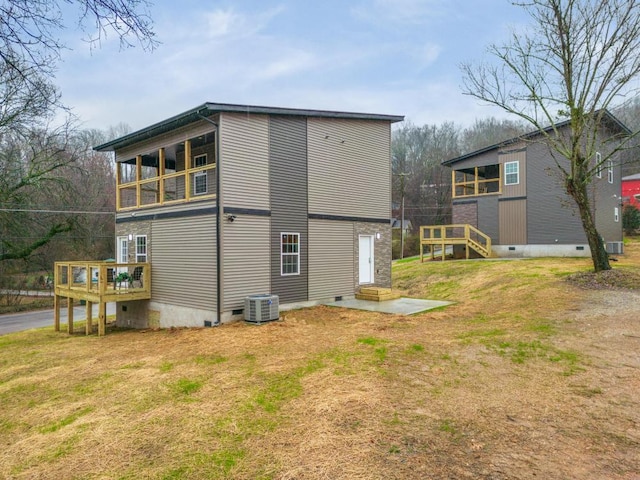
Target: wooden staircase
{"points": [[432, 236], [376, 294]]}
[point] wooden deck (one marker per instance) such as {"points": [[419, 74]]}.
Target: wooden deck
{"points": [[101, 283], [432, 236]]}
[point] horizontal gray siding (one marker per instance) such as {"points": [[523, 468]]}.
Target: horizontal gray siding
{"points": [[331, 259], [349, 167], [191, 207], [246, 260], [184, 262], [175, 136], [488, 216], [551, 214], [244, 160], [288, 187]]}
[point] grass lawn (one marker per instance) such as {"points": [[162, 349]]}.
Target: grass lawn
{"points": [[525, 376]]}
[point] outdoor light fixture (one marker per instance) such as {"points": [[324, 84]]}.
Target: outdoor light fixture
{"points": [[231, 218], [130, 236]]}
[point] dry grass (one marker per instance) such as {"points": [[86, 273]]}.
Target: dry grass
{"points": [[526, 376]]}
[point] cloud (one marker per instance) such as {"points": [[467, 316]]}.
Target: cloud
{"points": [[393, 12]]}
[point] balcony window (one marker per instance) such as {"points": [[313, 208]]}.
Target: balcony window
{"points": [[475, 181], [175, 173]]}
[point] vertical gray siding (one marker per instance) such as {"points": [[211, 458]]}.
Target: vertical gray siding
{"points": [[331, 259], [244, 155], [551, 213], [183, 267], [246, 260], [488, 216], [288, 187], [349, 167], [513, 222]]}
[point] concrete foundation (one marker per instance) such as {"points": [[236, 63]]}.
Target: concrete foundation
{"points": [[529, 251]]}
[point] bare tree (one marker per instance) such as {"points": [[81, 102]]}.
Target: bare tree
{"points": [[44, 167], [29, 34], [577, 58]]}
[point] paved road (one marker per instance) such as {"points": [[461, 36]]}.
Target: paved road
{"points": [[16, 322]]}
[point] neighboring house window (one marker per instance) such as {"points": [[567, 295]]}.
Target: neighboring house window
{"points": [[141, 248], [610, 171], [200, 178], [512, 173], [598, 165], [616, 214], [289, 253]]}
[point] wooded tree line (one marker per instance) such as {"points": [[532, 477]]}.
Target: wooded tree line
{"points": [[49, 174]]}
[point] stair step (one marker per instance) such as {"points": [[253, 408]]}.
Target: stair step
{"points": [[376, 294], [374, 290]]}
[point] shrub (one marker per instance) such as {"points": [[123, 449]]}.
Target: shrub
{"points": [[630, 219]]}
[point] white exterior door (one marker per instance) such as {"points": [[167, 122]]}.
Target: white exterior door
{"points": [[122, 253], [366, 259]]}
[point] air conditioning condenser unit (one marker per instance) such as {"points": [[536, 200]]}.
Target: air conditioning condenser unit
{"points": [[261, 308]]}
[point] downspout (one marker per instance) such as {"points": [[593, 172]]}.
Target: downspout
{"points": [[219, 226]]}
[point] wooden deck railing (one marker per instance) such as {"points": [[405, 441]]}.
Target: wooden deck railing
{"points": [[99, 282], [442, 236]]}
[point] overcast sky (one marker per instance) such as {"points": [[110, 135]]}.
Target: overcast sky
{"points": [[397, 57]]}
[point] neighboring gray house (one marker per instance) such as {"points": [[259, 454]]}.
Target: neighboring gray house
{"points": [[513, 193], [227, 201]]}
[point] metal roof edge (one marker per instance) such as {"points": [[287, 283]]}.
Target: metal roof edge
{"points": [[210, 108], [606, 113]]}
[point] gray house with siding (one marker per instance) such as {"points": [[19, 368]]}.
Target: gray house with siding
{"points": [[513, 192], [227, 201]]}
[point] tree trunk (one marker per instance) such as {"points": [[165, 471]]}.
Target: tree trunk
{"points": [[599, 256]]}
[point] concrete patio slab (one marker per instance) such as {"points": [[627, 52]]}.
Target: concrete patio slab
{"points": [[399, 306]]}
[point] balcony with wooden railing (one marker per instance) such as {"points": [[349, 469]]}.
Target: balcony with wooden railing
{"points": [[101, 283], [433, 237]]}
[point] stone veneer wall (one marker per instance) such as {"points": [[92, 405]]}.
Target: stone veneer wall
{"points": [[381, 251], [135, 228]]}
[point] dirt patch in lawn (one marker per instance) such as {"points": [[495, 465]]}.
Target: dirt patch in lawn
{"points": [[526, 376]]}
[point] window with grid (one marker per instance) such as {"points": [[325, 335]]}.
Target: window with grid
{"points": [[200, 178], [141, 248], [598, 165], [610, 171], [289, 253], [511, 173]]}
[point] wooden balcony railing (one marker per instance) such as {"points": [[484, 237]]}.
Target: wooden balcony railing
{"points": [[432, 236], [99, 282]]}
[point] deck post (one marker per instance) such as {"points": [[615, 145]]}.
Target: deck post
{"points": [[102, 318], [70, 315], [56, 313], [89, 325]]}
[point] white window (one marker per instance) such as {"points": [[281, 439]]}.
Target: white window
{"points": [[598, 165], [616, 214], [289, 253], [141, 248], [610, 171], [200, 178], [512, 173]]}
